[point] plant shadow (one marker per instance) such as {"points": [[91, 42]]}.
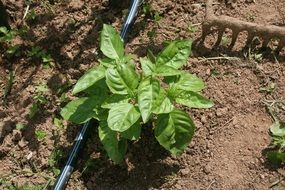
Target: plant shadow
{"points": [[145, 165]]}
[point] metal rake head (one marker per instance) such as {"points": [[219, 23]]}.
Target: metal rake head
{"points": [[221, 23]]}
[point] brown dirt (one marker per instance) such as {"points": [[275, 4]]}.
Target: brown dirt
{"points": [[231, 138]]}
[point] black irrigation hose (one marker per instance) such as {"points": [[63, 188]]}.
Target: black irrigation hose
{"points": [[80, 140]]}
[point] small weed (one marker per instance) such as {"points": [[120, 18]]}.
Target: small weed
{"points": [[40, 135], [31, 15], [250, 17], [7, 185], [269, 88], [20, 126], [54, 159], [58, 123], [192, 28], [41, 89], [251, 54], [34, 109], [6, 37], [225, 41], [48, 6], [39, 98], [8, 86], [90, 165], [152, 34], [39, 53], [277, 131], [149, 12]]}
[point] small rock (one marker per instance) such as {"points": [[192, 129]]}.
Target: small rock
{"points": [[185, 171], [207, 169], [76, 5], [204, 119], [208, 72], [30, 155], [16, 135], [178, 186], [221, 111], [22, 143]]}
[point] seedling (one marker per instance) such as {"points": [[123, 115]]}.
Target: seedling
{"points": [[6, 37], [149, 12], [277, 132], [53, 160], [39, 53], [58, 123], [7, 185], [34, 109], [40, 134], [192, 28], [269, 88], [124, 99], [8, 86], [152, 33], [39, 98], [31, 15], [225, 41], [20, 126]]}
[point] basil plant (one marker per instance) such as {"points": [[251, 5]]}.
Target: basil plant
{"points": [[124, 98]]}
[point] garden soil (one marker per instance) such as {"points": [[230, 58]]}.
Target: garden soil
{"points": [[231, 140]]}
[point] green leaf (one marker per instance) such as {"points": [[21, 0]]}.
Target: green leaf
{"points": [[80, 110], [147, 66], [133, 133], [40, 134], [192, 99], [164, 70], [34, 109], [89, 78], [151, 56], [4, 30], [174, 131], [278, 141], [20, 126], [99, 89], [278, 129], [147, 94], [190, 82], [107, 62], [162, 103], [111, 44], [114, 99], [276, 157], [122, 116], [115, 148], [123, 79], [175, 54]]}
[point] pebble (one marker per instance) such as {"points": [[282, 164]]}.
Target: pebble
{"points": [[204, 119], [22, 143], [16, 135], [207, 169], [30, 155], [76, 5], [178, 186], [221, 111], [185, 171]]}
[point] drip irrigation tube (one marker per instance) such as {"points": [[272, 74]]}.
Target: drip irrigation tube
{"points": [[81, 137]]}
